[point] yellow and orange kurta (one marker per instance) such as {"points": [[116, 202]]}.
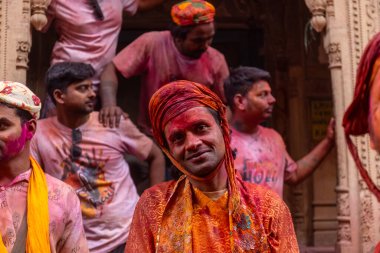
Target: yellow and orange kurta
{"points": [[175, 217]]}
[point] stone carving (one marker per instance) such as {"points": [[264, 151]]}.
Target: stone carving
{"points": [[343, 202], [23, 49], [25, 10], [318, 10], [344, 232], [335, 55], [366, 216], [371, 17], [330, 12], [38, 18]]}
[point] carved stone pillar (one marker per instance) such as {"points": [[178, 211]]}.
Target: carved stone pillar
{"points": [[15, 40], [15, 36], [349, 26]]}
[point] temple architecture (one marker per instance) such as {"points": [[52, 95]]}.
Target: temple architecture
{"points": [[311, 48]]}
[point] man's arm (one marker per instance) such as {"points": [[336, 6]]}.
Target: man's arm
{"points": [[148, 4], [307, 164], [110, 113], [156, 162]]}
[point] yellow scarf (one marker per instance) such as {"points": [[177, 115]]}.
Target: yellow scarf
{"points": [[37, 239]]}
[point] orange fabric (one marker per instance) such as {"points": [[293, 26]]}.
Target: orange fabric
{"points": [[179, 227], [269, 220], [192, 12], [355, 120]]}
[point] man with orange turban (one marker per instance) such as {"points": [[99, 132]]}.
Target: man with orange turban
{"points": [[184, 52], [209, 209], [38, 213]]}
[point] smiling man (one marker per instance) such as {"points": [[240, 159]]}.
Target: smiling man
{"points": [[38, 213], [209, 209], [261, 155], [184, 52], [76, 148]]}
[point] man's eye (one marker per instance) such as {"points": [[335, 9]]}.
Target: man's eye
{"points": [[201, 128], [177, 138], [82, 88], [3, 126]]}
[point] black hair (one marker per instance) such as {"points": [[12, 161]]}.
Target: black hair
{"points": [[61, 75], [22, 114], [179, 32], [241, 80]]}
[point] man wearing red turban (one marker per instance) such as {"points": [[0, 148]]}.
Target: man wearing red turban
{"points": [[209, 209], [184, 52]]}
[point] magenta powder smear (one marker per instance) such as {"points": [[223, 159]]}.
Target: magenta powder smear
{"points": [[13, 147]]}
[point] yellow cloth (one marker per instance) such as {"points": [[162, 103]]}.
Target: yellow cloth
{"points": [[37, 213]]}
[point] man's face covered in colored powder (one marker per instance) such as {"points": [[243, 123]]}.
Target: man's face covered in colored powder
{"points": [[196, 141], [13, 134]]}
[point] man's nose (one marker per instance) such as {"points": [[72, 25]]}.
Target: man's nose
{"points": [[192, 141], [92, 93], [272, 99]]}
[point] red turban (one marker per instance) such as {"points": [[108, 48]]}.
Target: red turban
{"points": [[355, 120], [177, 97], [193, 12]]}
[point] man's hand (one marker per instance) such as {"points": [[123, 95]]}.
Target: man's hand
{"points": [[110, 116], [330, 130]]}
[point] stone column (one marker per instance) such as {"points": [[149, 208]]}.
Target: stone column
{"points": [[346, 27], [15, 36]]}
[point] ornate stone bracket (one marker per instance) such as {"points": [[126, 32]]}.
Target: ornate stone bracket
{"points": [[318, 9], [38, 18], [23, 49]]}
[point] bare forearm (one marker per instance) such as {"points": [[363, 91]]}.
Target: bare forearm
{"points": [[156, 166], [307, 164], [108, 86]]}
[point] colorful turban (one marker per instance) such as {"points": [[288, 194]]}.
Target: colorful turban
{"points": [[193, 12], [177, 97], [20, 96], [355, 120]]}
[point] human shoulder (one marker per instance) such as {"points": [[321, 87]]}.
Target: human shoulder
{"points": [[158, 193], [262, 198], [270, 133], [59, 190]]}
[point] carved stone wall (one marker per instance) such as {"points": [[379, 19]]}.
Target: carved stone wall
{"points": [[15, 40], [350, 24]]}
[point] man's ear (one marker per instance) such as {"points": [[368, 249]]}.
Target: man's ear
{"points": [[239, 102], [59, 96], [31, 127]]}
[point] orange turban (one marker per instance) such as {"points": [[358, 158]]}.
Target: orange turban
{"points": [[355, 120], [193, 12], [177, 97]]}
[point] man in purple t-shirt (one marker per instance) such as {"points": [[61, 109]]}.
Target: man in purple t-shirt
{"points": [[162, 57]]}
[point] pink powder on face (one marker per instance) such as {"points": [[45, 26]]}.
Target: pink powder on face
{"points": [[13, 147]]}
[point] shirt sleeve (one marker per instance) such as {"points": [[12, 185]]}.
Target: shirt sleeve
{"points": [[141, 238], [73, 238], [290, 166], [133, 59], [279, 226], [133, 141], [130, 6], [34, 150]]}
